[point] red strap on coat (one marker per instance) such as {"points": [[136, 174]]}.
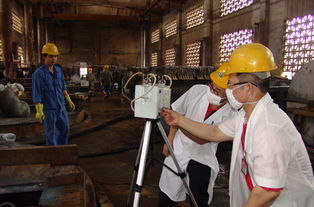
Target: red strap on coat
{"points": [[248, 178]]}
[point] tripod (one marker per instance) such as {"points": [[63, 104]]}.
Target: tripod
{"points": [[139, 167]]}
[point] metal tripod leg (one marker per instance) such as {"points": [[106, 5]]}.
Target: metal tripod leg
{"points": [[142, 161], [164, 136], [131, 191]]}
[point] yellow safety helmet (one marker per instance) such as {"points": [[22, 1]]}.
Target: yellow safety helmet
{"points": [[50, 49], [251, 58], [219, 76]]}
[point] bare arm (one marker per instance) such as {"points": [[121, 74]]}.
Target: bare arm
{"points": [[260, 197], [194, 138], [200, 130]]}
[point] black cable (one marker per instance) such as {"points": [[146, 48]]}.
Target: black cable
{"points": [[124, 149], [90, 130]]}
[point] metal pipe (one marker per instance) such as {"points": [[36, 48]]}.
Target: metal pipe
{"points": [[143, 45], [38, 40], [26, 36]]}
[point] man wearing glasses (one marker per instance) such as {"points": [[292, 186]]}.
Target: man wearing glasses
{"points": [[269, 164], [195, 156]]}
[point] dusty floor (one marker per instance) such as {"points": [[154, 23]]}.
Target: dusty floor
{"points": [[109, 151]]}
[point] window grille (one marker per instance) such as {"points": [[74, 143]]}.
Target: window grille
{"points": [[170, 57], [195, 17], [230, 41], [298, 44], [193, 52]]}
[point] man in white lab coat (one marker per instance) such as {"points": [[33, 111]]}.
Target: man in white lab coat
{"points": [[206, 104], [269, 164]]}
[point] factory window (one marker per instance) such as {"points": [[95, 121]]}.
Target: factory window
{"points": [[195, 17], [171, 28], [1, 51], [193, 52], [20, 55], [170, 57], [17, 23], [154, 59], [298, 44], [155, 36], [230, 41], [230, 6]]}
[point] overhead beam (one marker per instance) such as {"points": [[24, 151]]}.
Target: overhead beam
{"points": [[150, 7], [95, 17]]}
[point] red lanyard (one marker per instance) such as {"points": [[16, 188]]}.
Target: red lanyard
{"points": [[243, 136], [245, 167]]}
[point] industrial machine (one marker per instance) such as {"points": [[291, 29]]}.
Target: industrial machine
{"points": [[300, 104]]}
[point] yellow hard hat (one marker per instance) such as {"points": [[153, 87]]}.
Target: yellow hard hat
{"points": [[50, 49], [251, 58], [219, 76]]}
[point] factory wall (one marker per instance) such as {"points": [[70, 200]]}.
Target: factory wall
{"points": [[96, 43], [182, 37], [265, 17], [103, 40], [118, 43], [267, 22]]}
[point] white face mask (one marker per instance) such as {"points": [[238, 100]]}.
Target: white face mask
{"points": [[213, 98], [233, 101]]}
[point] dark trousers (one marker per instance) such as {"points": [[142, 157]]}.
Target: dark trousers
{"points": [[199, 176], [56, 126]]}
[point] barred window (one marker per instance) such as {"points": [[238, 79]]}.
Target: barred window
{"points": [[298, 44], [170, 57], [155, 36], [154, 59], [193, 53], [17, 23], [230, 6], [230, 41], [1, 51], [171, 28], [195, 17]]}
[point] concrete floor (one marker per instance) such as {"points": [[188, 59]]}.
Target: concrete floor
{"points": [[108, 154]]}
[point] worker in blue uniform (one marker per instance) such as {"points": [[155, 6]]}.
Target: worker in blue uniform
{"points": [[49, 91]]}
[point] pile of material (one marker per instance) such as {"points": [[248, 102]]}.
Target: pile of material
{"points": [[10, 103]]}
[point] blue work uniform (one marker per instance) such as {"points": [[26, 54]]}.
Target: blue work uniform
{"points": [[47, 88]]}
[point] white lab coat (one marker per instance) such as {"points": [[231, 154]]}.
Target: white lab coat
{"points": [[275, 154], [192, 104]]}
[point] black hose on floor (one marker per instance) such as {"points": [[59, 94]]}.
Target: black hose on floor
{"points": [[155, 140], [116, 151], [90, 130], [101, 126]]}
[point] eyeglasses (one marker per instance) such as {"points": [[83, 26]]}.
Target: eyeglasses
{"points": [[215, 90], [241, 83]]}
